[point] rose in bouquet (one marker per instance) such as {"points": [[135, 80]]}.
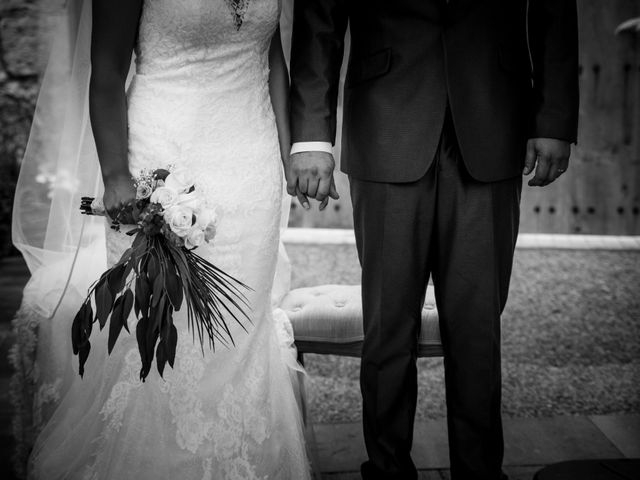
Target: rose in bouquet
{"points": [[159, 273]]}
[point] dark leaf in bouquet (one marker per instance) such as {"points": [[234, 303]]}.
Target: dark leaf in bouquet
{"points": [[151, 317], [141, 329], [167, 323], [76, 328], [136, 307], [171, 343], [116, 324], [116, 279], [159, 313], [142, 333], [161, 357], [139, 242], [87, 322], [161, 174], [135, 213], [127, 305], [153, 267], [151, 337], [83, 355], [142, 295], [103, 303], [173, 286], [125, 256], [137, 263], [129, 261], [158, 289], [129, 267]]}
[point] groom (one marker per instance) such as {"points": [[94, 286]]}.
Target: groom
{"points": [[446, 104]]}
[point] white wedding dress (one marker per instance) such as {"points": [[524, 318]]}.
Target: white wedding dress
{"points": [[199, 100]]}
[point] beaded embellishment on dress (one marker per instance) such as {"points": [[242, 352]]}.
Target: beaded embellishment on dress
{"points": [[238, 9]]}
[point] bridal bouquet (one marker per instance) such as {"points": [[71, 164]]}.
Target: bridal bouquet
{"points": [[158, 273]]}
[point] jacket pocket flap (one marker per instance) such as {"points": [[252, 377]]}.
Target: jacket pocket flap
{"points": [[367, 68]]}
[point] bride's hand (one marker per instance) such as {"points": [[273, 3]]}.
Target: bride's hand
{"points": [[119, 197]]}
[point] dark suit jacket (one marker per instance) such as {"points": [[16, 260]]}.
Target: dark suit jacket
{"points": [[508, 68]]}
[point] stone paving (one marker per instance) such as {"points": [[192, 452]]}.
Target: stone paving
{"points": [[530, 443]]}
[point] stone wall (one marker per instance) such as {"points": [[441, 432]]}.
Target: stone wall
{"points": [[19, 70], [24, 29]]}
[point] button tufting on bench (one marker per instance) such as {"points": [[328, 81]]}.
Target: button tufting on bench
{"points": [[327, 319]]}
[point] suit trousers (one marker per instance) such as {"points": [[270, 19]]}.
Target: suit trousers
{"points": [[462, 232]]}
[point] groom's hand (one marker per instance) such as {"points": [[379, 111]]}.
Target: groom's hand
{"points": [[551, 156], [310, 174]]}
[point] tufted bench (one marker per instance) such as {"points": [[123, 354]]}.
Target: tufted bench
{"points": [[327, 319]]}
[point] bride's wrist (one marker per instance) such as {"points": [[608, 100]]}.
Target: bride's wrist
{"points": [[115, 176]]}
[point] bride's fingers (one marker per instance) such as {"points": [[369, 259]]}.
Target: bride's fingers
{"points": [[324, 185], [333, 192], [292, 181], [324, 203], [303, 184], [111, 208], [302, 198], [115, 213], [312, 190]]}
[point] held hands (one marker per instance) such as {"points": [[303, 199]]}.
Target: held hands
{"points": [[310, 174], [552, 156], [119, 197]]}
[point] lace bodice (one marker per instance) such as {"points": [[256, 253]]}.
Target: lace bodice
{"points": [[193, 40]]}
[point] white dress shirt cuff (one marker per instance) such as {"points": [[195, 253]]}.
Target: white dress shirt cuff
{"points": [[299, 147]]}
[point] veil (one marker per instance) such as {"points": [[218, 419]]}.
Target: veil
{"points": [[60, 165], [64, 250]]}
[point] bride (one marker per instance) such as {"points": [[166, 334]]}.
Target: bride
{"points": [[208, 94]]}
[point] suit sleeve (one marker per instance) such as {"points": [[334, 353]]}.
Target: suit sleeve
{"points": [[317, 49], [553, 37]]}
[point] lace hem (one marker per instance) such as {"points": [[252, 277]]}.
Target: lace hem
{"points": [[25, 402]]}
